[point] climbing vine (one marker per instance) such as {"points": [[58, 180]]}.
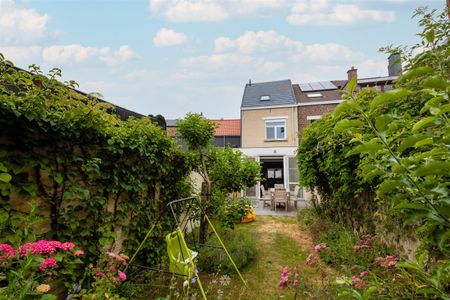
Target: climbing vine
{"points": [[95, 179]]}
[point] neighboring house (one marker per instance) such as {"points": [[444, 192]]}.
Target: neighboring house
{"points": [[274, 114], [316, 98], [228, 132], [269, 132]]}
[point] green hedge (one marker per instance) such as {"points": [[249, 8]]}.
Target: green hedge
{"points": [[96, 180]]}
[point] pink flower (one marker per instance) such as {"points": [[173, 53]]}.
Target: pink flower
{"points": [[320, 246], [111, 268], [121, 258], [8, 251], [284, 278], [392, 263], [122, 275], [295, 282], [49, 262], [311, 259], [67, 246], [78, 252], [364, 274], [358, 283], [100, 274]]}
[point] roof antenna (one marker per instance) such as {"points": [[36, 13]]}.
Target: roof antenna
{"points": [[250, 82]]}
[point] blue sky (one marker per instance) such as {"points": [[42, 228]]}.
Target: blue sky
{"points": [[172, 57]]}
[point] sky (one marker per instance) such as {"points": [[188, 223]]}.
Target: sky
{"points": [[172, 57]]}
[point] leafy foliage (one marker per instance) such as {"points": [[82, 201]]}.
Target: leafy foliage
{"points": [[223, 170], [390, 147], [242, 245], [97, 180]]}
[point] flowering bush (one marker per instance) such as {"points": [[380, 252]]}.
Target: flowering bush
{"points": [[107, 275], [291, 280], [32, 262]]}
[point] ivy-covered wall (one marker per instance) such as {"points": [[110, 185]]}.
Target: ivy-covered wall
{"points": [[91, 177]]}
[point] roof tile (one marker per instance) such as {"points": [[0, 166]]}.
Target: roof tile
{"points": [[228, 127]]}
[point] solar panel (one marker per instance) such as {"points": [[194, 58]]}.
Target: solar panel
{"points": [[305, 87], [327, 85], [316, 86]]}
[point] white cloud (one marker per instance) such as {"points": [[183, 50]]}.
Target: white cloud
{"points": [[19, 55], [327, 52], [189, 10], [271, 42], [61, 54], [260, 41], [66, 53], [212, 10], [321, 13], [231, 62], [20, 25], [168, 37], [121, 56]]}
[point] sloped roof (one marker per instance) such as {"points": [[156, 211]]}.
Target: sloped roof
{"points": [[228, 127], [279, 92], [327, 95]]}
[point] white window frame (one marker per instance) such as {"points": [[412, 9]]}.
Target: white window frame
{"points": [[276, 138]]}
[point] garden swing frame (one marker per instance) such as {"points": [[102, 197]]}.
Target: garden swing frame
{"points": [[178, 234]]}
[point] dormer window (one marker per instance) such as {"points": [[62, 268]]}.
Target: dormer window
{"points": [[265, 98], [314, 95]]}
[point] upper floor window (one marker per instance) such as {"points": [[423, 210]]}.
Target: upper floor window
{"points": [[275, 129]]}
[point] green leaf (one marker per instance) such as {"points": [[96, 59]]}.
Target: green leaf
{"points": [[347, 124], [430, 36], [48, 297], [388, 186], [58, 178], [427, 141], [369, 292], [59, 256], [410, 141], [412, 206], [414, 73], [381, 122], [4, 216], [442, 239], [433, 167], [351, 86], [3, 168], [345, 107], [424, 122], [435, 82], [5, 177], [390, 96], [371, 147]]}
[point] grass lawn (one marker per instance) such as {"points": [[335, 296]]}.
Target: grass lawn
{"points": [[280, 243]]}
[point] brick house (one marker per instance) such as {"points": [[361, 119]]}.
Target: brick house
{"points": [[274, 114]]}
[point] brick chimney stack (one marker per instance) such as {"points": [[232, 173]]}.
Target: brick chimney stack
{"points": [[352, 73]]}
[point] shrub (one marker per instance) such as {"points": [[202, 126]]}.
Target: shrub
{"points": [[242, 247], [234, 211]]}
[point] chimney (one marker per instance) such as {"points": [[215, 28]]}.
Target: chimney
{"points": [[352, 73], [395, 65], [250, 82]]}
